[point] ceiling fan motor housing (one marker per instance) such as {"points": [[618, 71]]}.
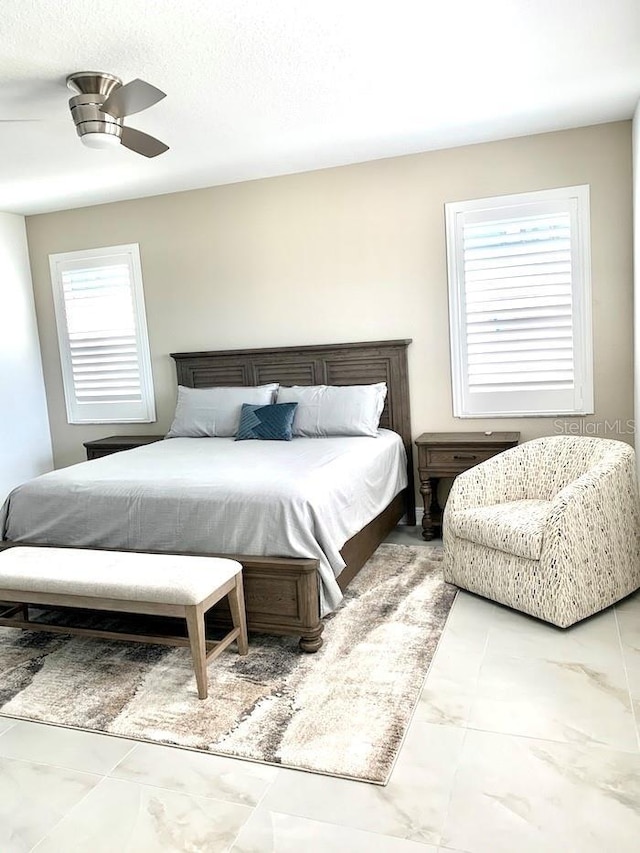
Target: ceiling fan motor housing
{"points": [[89, 118], [100, 105], [94, 88]]}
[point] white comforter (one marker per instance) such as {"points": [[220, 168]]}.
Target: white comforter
{"points": [[301, 498]]}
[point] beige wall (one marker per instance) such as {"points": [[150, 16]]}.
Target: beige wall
{"points": [[348, 254]]}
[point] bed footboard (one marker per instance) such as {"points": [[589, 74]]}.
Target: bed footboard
{"points": [[282, 597]]}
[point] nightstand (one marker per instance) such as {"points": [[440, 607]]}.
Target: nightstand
{"points": [[115, 443], [447, 454]]}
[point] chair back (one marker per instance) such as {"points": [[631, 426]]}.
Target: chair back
{"points": [[561, 459]]}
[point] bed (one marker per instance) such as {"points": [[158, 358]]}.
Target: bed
{"points": [[285, 593]]}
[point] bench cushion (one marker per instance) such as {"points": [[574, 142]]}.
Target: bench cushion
{"points": [[123, 575]]}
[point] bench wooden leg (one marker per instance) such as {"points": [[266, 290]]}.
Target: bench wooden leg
{"points": [[239, 614], [195, 627]]}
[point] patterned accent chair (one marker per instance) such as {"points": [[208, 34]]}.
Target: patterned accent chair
{"points": [[551, 527]]}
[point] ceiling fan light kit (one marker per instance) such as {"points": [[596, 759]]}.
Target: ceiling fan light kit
{"points": [[100, 139], [100, 106]]}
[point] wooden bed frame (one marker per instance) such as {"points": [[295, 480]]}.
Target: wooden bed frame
{"points": [[282, 594]]}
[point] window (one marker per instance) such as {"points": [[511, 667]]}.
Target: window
{"points": [[520, 304], [102, 332]]}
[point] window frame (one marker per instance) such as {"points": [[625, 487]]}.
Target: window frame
{"points": [[577, 200], [104, 412]]}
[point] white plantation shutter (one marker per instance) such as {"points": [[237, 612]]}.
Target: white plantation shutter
{"points": [[102, 333], [520, 312]]}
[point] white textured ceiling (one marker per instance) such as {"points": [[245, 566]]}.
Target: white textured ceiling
{"points": [[267, 87]]}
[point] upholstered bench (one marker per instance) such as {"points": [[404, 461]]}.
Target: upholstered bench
{"points": [[128, 582]]}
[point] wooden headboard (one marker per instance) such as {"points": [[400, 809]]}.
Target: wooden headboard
{"points": [[327, 364]]}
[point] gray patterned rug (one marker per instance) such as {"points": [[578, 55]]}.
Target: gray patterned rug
{"points": [[342, 711]]}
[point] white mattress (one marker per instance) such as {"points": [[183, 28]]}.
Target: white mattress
{"points": [[300, 498]]}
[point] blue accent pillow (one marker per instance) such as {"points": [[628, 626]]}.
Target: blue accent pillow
{"points": [[272, 422]]}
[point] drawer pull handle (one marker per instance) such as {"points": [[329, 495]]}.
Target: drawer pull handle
{"points": [[464, 456]]}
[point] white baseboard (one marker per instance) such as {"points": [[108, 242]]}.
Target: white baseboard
{"points": [[419, 514]]}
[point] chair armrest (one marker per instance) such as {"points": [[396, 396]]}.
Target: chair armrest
{"points": [[602, 482], [595, 517]]}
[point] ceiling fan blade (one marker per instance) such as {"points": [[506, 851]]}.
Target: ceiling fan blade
{"points": [[142, 143], [132, 98]]}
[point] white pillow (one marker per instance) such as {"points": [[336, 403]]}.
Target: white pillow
{"points": [[203, 412], [325, 410]]}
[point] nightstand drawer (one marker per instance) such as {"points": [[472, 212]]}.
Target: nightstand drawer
{"points": [[438, 457], [115, 443], [95, 453]]}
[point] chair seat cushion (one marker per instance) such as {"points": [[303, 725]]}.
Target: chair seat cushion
{"points": [[516, 527]]}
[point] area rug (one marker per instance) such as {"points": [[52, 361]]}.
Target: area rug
{"points": [[342, 711]]}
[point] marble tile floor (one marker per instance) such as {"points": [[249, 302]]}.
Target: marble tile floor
{"points": [[525, 739]]}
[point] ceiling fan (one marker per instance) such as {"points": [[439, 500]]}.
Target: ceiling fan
{"points": [[101, 105]]}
